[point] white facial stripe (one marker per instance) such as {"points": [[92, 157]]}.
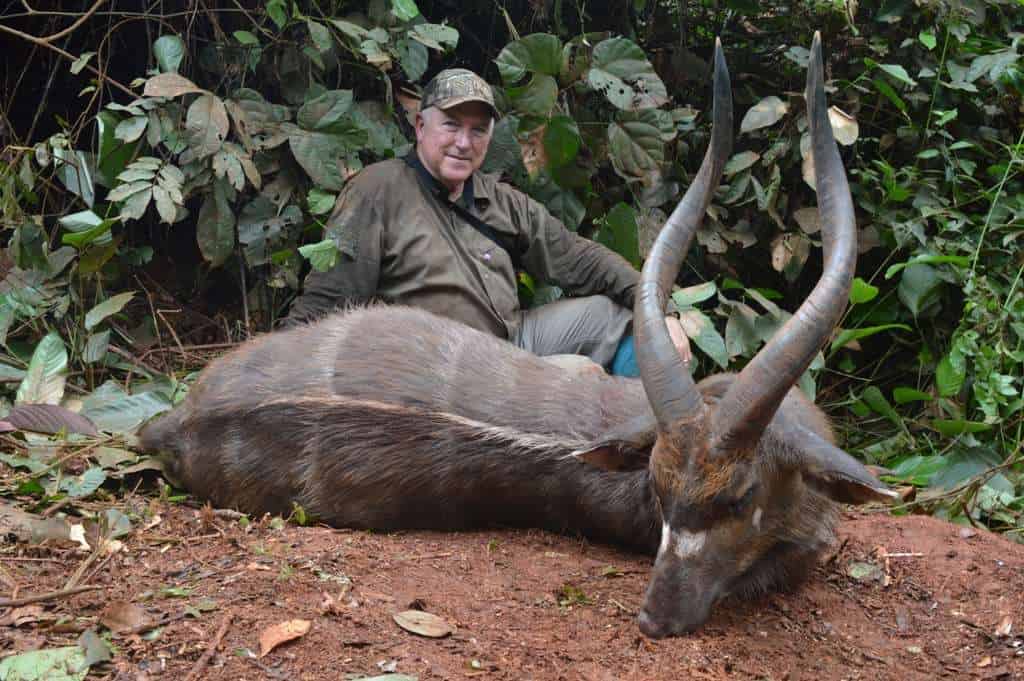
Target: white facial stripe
{"points": [[755, 520], [684, 544], [688, 544], [666, 531]]}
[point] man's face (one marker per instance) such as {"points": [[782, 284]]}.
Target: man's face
{"points": [[452, 143]]}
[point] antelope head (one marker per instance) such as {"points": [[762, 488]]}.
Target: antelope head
{"points": [[743, 470]]}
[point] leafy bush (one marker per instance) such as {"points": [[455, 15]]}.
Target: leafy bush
{"points": [[243, 135]]}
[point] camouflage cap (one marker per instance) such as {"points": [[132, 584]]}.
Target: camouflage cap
{"points": [[452, 87]]}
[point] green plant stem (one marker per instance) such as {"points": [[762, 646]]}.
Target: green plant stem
{"points": [[1014, 158]]}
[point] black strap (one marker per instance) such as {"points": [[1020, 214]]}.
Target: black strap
{"points": [[431, 184]]}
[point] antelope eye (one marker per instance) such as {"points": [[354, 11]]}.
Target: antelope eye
{"points": [[743, 503]]}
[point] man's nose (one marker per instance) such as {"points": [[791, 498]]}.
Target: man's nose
{"points": [[463, 139]]}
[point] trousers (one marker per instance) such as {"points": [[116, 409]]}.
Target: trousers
{"points": [[592, 326]]}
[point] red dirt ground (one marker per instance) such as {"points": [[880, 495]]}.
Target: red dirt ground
{"points": [[947, 603]]}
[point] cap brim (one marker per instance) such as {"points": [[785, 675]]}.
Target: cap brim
{"points": [[456, 101]]}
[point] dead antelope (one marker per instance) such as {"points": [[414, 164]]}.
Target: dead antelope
{"points": [[389, 417]]}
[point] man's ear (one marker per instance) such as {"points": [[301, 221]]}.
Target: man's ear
{"points": [[625, 448]]}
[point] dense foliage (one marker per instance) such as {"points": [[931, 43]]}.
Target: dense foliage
{"points": [[244, 125]]}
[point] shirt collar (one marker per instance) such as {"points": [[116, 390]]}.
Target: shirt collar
{"points": [[412, 159]]}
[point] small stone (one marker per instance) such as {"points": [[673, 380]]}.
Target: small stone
{"points": [[914, 650]]}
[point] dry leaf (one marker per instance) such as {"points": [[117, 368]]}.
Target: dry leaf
{"points": [[1005, 627], [28, 614], [169, 85], [808, 220], [423, 623], [274, 636], [534, 157], [844, 126], [121, 617]]}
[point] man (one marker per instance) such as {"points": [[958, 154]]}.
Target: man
{"points": [[432, 232]]}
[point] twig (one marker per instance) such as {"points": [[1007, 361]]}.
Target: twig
{"points": [[81, 20], [69, 56], [53, 595], [84, 565], [133, 359], [197, 670]]}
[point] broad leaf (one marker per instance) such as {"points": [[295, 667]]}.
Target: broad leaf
{"points": [[50, 419], [850, 335], [904, 395], [81, 486], [110, 306], [260, 225], [405, 9], [635, 145], [740, 162], [206, 125], [169, 50], [435, 36], [75, 170], [215, 231], [874, 398], [536, 53], [537, 97], [413, 57], [862, 292], [620, 70], [48, 664], [113, 410], [44, 379], [170, 85], [844, 126], [920, 289], [702, 332], [691, 295], [131, 129], [619, 232], [561, 140], [768, 111], [96, 347], [322, 255]]}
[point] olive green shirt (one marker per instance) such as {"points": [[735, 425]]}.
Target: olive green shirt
{"points": [[402, 242]]}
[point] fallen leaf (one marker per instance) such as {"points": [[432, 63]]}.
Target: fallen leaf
{"points": [[1005, 627], [121, 617], [50, 419], [985, 661], [865, 572], [423, 623], [272, 637], [28, 614], [844, 126]]}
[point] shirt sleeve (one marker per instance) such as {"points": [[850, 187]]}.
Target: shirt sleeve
{"points": [[579, 266], [356, 229]]}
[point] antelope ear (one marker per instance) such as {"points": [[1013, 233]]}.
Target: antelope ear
{"points": [[625, 448], [833, 472]]}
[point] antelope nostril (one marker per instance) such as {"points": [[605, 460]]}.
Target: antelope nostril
{"points": [[649, 627]]}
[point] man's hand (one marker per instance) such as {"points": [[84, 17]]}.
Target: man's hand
{"points": [[679, 339]]}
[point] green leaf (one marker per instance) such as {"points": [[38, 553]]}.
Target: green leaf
{"points": [[113, 153], [131, 129], [899, 73], [44, 379], [635, 145], [75, 171], [691, 295], [246, 38], [215, 231], [405, 9], [741, 162], [862, 292], [889, 93], [321, 36], [169, 51], [927, 38], [49, 664], [537, 97], [115, 411], [561, 202], [319, 201], [918, 470], [277, 10], [536, 53], [561, 140], [768, 111], [110, 306], [80, 63], [435, 36], [323, 255], [96, 347], [619, 232], [620, 70], [920, 289], [702, 332], [850, 335], [903, 395], [81, 486], [874, 398], [260, 225], [958, 260], [963, 465], [413, 57]]}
